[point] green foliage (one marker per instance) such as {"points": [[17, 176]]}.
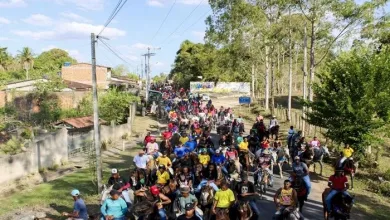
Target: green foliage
{"points": [[26, 134], [193, 60], [13, 146], [160, 78], [114, 105], [352, 97], [387, 175], [50, 62]]}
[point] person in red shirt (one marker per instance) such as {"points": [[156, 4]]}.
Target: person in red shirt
{"points": [[148, 138], [232, 154], [265, 143], [339, 183]]}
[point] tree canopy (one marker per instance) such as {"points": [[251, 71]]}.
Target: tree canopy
{"points": [[352, 97]]}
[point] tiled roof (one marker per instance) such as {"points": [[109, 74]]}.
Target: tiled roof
{"points": [[81, 122]]}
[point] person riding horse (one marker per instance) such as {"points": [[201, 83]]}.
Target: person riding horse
{"points": [[338, 184], [301, 170]]}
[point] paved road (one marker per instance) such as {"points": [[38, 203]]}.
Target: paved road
{"points": [[311, 210]]}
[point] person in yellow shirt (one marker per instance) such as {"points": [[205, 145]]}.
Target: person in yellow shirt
{"points": [[244, 145], [184, 138], [164, 160], [285, 197], [204, 158], [347, 153], [162, 175], [224, 198]]}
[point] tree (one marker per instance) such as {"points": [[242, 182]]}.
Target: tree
{"points": [[49, 63], [120, 70], [193, 60], [352, 99], [26, 58], [160, 78], [114, 105]]}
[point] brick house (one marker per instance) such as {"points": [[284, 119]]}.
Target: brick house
{"points": [[82, 73]]}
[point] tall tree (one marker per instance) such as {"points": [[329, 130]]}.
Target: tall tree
{"points": [[26, 58], [353, 97]]}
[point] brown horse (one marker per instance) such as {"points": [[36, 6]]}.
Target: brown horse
{"points": [[308, 155], [206, 201], [350, 168], [222, 214], [170, 187], [244, 210]]}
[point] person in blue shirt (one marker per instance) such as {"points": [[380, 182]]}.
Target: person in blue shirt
{"points": [[79, 207], [114, 208], [180, 151], [219, 159], [191, 145], [290, 135]]}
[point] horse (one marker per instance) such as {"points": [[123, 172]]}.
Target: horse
{"points": [[307, 156], [222, 214], [350, 168], [299, 186], [206, 200], [281, 156], [244, 210], [274, 131], [145, 209], [262, 182], [319, 154], [341, 205], [288, 214]]}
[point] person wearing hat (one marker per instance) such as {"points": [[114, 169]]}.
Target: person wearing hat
{"points": [[301, 170], [114, 208], [265, 161], [273, 122], [154, 196], [246, 192], [190, 213], [120, 184], [285, 197], [79, 207], [219, 160], [186, 197], [339, 184], [148, 138], [162, 175], [204, 157]]}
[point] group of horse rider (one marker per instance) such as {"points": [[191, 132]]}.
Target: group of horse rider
{"points": [[192, 175]]}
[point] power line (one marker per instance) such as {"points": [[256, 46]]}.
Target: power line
{"points": [[183, 22], [115, 53], [162, 23], [193, 24], [117, 8]]}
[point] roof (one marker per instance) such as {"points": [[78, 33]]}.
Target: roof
{"points": [[80, 122], [124, 78], [77, 85], [87, 64]]}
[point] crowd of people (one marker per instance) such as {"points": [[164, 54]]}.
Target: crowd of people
{"points": [[195, 174]]}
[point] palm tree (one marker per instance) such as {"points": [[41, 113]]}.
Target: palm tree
{"points": [[26, 58], [4, 58]]}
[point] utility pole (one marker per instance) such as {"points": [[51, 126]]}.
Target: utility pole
{"points": [[96, 116], [147, 70]]}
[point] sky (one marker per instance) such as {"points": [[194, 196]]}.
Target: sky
{"points": [[68, 24]]}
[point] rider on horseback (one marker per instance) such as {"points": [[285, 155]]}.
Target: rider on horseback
{"points": [[285, 197], [121, 185], [339, 184], [246, 192], [223, 198], [347, 154], [273, 122], [301, 170], [265, 161]]}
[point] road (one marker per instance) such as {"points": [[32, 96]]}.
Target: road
{"points": [[313, 207]]}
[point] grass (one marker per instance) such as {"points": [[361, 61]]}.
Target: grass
{"points": [[56, 194]]}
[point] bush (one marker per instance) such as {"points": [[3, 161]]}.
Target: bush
{"points": [[386, 175], [26, 134], [13, 146]]}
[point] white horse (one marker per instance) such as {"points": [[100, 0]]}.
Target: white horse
{"points": [[106, 194], [280, 156]]}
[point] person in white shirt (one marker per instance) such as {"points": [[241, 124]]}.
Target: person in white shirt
{"points": [[152, 149], [273, 122], [141, 160], [315, 142]]}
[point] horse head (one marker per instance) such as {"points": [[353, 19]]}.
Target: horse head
{"points": [[244, 210], [342, 204], [207, 195]]}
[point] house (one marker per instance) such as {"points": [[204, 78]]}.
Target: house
{"points": [[17, 92], [82, 73]]}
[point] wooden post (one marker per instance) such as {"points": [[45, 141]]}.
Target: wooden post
{"points": [[296, 120], [123, 145]]}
